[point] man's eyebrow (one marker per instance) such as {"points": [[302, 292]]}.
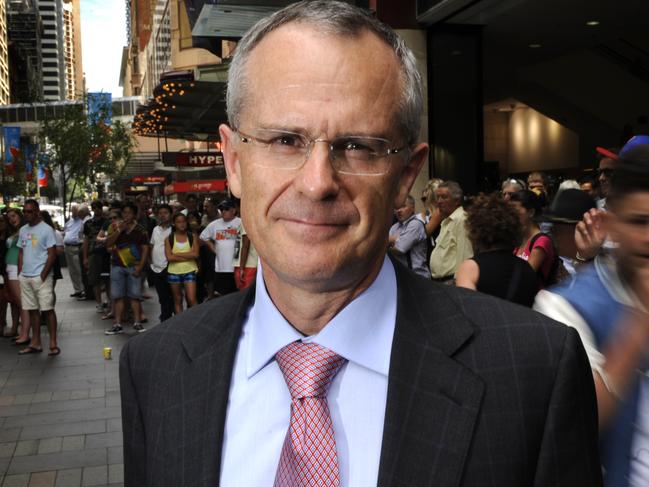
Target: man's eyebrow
{"points": [[302, 131]]}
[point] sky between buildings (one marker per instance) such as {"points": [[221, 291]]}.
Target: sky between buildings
{"points": [[103, 36]]}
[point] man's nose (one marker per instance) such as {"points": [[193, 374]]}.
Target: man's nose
{"points": [[317, 179]]}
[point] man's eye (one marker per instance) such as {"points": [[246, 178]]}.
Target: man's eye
{"points": [[286, 141], [638, 221], [355, 146]]}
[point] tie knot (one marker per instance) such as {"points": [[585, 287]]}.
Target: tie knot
{"points": [[308, 368]]}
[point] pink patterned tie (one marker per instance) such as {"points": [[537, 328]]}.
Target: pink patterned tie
{"points": [[309, 451]]}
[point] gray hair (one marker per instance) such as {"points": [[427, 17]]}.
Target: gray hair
{"points": [[568, 184], [331, 17], [410, 200], [513, 182], [454, 188]]}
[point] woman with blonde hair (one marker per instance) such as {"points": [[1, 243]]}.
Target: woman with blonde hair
{"points": [[430, 215]]}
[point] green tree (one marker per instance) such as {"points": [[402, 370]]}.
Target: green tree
{"points": [[81, 148], [13, 184]]}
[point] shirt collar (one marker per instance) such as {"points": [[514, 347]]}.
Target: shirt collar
{"points": [[456, 213], [607, 268], [405, 222], [361, 332]]}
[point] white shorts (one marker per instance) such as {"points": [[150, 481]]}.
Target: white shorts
{"points": [[36, 294], [12, 272]]}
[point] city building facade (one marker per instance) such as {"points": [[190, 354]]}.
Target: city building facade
{"points": [[52, 49], [4, 55], [24, 45], [74, 79]]}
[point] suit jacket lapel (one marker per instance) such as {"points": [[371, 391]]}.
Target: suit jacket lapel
{"points": [[433, 400], [199, 395]]}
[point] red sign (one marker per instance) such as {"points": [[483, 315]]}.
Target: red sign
{"points": [[206, 186], [192, 159], [149, 180]]}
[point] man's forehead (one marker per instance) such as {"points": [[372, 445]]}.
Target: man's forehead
{"points": [[606, 163], [321, 68]]}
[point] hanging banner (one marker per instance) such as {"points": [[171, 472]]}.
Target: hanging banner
{"points": [[43, 170], [12, 148], [149, 180], [201, 186], [31, 151], [43, 176], [100, 108]]}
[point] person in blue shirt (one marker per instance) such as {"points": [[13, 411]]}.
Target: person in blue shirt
{"points": [[606, 302], [36, 258]]}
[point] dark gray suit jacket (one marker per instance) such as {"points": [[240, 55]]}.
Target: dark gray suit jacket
{"points": [[480, 393]]}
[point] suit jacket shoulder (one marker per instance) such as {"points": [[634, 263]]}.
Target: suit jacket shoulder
{"points": [[174, 386], [487, 393]]}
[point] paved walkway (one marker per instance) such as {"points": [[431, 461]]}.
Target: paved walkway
{"points": [[60, 417]]}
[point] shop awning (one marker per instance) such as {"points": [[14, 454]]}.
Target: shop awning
{"points": [[183, 108]]}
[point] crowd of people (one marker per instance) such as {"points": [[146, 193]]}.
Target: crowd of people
{"points": [[199, 250], [579, 258], [113, 250], [478, 242]]}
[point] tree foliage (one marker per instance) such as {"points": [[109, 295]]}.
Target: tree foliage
{"points": [[82, 148]]}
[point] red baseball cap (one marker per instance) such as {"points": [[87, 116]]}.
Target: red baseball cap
{"points": [[607, 153]]}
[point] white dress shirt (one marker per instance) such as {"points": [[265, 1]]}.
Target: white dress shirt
{"points": [[259, 402]]}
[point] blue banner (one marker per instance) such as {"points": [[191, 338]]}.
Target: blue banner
{"points": [[43, 161], [31, 152], [100, 108], [12, 147]]}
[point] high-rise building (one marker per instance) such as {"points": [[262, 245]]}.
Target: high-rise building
{"points": [[24, 43], [74, 82], [52, 49], [4, 55]]}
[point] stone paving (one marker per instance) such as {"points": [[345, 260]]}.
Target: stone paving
{"points": [[60, 417]]}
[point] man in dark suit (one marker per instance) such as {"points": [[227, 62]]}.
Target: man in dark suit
{"points": [[340, 367]]}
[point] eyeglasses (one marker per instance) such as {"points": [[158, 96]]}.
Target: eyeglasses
{"points": [[359, 156]]}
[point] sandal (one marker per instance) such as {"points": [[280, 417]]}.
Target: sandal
{"points": [[26, 342], [54, 351], [30, 349]]}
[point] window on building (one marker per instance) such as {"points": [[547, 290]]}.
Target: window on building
{"points": [[30, 114]]}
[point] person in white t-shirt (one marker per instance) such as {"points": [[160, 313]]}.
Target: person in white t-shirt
{"points": [[221, 237], [159, 261]]}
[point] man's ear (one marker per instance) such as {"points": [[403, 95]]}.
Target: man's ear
{"points": [[409, 173], [231, 159]]}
